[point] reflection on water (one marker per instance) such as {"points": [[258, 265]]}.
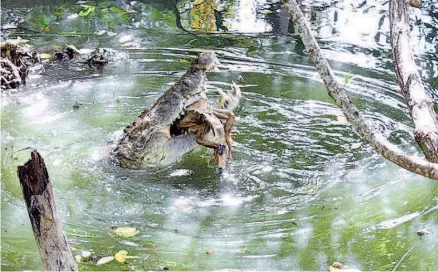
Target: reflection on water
{"points": [[302, 191]]}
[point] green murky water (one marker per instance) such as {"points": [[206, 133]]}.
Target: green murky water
{"points": [[299, 194]]}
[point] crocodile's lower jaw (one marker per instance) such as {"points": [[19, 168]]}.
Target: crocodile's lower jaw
{"points": [[169, 150]]}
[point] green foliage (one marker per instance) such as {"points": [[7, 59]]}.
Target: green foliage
{"points": [[346, 78], [86, 11]]}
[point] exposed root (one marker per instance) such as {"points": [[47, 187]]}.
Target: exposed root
{"points": [[15, 63]]}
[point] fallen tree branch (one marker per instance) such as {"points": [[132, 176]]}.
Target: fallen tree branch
{"points": [[339, 95], [47, 227], [420, 103]]}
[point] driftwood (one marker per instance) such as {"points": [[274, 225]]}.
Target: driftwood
{"points": [[420, 103], [16, 60], [339, 95], [47, 227]]}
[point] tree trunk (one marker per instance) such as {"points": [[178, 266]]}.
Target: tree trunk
{"points": [[419, 102], [49, 235], [339, 95]]}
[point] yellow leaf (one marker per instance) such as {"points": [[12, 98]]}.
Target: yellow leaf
{"points": [[105, 260], [121, 256], [78, 258], [45, 56], [265, 11], [126, 232]]}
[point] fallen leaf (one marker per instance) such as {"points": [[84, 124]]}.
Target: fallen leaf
{"points": [[57, 162], [126, 232], [86, 253], [355, 146], [340, 267], [422, 232], [45, 56], [346, 78], [209, 251], [265, 11], [121, 256], [105, 260], [78, 258]]}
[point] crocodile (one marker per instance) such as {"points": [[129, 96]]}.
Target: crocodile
{"points": [[179, 119]]}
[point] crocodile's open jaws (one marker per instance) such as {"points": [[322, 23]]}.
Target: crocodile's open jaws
{"points": [[180, 119]]}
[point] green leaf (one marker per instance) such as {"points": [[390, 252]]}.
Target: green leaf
{"points": [[116, 9], [86, 10], [46, 21], [124, 18], [59, 12], [346, 78]]}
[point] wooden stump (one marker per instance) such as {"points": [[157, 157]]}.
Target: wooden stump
{"points": [[49, 235]]}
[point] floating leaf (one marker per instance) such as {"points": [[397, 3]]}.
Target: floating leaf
{"points": [[355, 146], [17, 41], [422, 232], [126, 232], [45, 56], [105, 260], [346, 78], [9, 26], [45, 21], [121, 256], [86, 10], [339, 267], [265, 11], [57, 162], [78, 258], [59, 12], [86, 254]]}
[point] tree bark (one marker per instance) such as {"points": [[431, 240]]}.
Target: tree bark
{"points": [[339, 95], [49, 235], [419, 102]]}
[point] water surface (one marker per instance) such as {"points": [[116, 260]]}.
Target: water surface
{"points": [[302, 191]]}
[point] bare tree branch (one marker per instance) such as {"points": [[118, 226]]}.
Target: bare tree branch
{"points": [[420, 103], [339, 95]]}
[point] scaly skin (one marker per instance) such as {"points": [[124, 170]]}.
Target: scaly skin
{"points": [[148, 140]]}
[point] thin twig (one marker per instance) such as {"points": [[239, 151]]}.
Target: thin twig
{"points": [[402, 258]]}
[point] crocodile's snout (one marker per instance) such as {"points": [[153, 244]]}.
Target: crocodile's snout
{"points": [[206, 61]]}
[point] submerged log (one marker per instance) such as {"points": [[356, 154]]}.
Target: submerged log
{"points": [[47, 227], [339, 95], [420, 103]]}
